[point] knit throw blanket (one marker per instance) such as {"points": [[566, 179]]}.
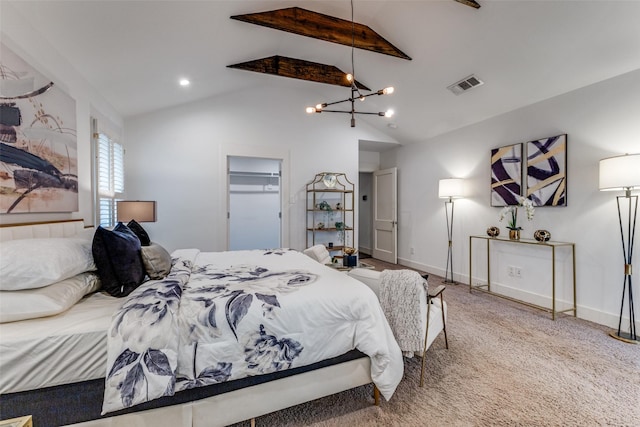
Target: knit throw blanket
{"points": [[400, 301]]}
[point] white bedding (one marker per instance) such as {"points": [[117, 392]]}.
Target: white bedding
{"points": [[62, 349], [71, 346], [222, 316]]}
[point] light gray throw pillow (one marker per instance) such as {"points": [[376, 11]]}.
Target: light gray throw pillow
{"points": [[157, 261]]}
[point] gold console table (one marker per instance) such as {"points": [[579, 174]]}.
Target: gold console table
{"points": [[551, 245]]}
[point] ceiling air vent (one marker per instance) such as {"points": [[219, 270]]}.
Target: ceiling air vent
{"points": [[465, 84]]}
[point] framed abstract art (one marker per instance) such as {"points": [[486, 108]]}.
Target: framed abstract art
{"points": [[506, 175], [38, 143], [547, 171]]}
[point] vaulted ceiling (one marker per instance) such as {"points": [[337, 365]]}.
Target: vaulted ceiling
{"points": [[133, 52]]}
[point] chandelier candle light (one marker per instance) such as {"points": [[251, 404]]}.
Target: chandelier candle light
{"points": [[511, 213], [355, 91]]}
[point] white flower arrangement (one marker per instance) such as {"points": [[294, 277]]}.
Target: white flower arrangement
{"points": [[512, 212]]}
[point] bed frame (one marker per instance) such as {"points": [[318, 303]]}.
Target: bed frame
{"points": [[210, 407]]}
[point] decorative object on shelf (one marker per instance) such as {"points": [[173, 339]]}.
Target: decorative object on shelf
{"points": [[511, 213], [547, 171], [324, 206], [355, 90], [349, 250], [330, 245], [340, 227], [450, 188], [542, 235], [349, 259], [329, 180], [622, 173], [320, 225], [493, 231], [506, 175], [514, 233], [338, 206]]}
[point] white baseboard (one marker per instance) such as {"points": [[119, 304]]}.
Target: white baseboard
{"points": [[424, 267], [587, 313]]}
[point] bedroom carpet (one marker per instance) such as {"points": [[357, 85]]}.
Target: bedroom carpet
{"points": [[507, 365]]}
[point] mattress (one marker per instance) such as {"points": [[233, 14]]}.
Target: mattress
{"points": [[67, 348]]}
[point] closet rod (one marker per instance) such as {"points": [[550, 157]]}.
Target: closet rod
{"points": [[256, 174]]}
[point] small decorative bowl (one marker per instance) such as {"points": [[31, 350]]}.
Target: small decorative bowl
{"points": [[493, 231], [349, 251], [542, 235]]}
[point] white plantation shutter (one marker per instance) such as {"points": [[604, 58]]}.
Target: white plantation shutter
{"points": [[110, 157]]}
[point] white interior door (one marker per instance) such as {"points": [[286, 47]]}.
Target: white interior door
{"points": [[385, 215]]}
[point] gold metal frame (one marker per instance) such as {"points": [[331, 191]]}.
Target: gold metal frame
{"points": [[432, 294], [552, 245]]}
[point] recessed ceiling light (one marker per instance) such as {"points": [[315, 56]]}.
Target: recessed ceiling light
{"points": [[184, 82]]}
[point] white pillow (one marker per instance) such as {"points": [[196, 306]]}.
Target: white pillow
{"points": [[52, 299], [85, 234], [34, 263], [318, 253]]}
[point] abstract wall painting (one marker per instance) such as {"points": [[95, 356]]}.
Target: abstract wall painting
{"points": [[547, 171], [38, 143], [506, 175]]}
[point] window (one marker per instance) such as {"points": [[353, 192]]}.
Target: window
{"points": [[110, 178]]}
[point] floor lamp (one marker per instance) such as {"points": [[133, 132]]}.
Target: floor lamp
{"points": [[450, 188], [622, 173]]}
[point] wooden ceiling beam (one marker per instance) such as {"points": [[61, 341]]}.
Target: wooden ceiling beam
{"points": [[298, 69], [471, 3], [323, 27]]}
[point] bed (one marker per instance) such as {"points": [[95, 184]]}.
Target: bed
{"points": [[71, 390]]}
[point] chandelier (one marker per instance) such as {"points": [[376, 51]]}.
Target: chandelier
{"points": [[355, 91]]}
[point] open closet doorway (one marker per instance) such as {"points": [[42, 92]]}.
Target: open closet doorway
{"points": [[365, 213], [255, 200]]}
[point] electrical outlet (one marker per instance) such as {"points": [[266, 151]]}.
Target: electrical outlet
{"points": [[412, 251], [518, 272], [511, 271]]}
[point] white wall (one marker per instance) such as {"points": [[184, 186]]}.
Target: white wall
{"points": [[369, 161], [601, 120], [25, 40], [177, 157]]}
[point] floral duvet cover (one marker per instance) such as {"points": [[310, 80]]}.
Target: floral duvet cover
{"points": [[221, 316]]}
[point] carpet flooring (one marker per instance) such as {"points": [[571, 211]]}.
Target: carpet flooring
{"points": [[507, 365]]}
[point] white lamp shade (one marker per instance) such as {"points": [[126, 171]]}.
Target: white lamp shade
{"points": [[141, 211], [620, 173], [451, 188]]}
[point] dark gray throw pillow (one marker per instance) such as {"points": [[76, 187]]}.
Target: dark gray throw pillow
{"points": [[117, 257], [140, 232]]}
